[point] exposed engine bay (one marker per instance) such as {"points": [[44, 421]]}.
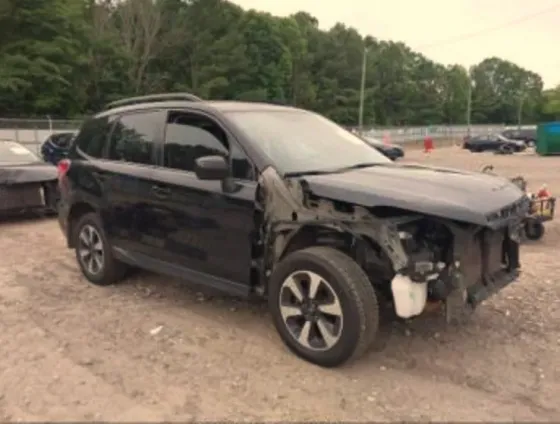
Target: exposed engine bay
{"points": [[411, 258]]}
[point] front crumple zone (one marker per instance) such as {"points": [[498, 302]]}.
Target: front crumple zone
{"points": [[286, 212], [433, 259]]}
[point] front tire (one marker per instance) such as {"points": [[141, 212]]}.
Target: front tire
{"points": [[94, 254], [323, 306], [534, 229]]}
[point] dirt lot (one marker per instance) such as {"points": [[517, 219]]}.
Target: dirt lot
{"points": [[152, 349]]}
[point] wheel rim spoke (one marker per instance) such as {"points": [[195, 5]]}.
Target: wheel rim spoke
{"points": [[295, 288], [304, 334], [289, 311], [333, 308], [84, 238], [314, 283], [90, 249], [91, 265], [328, 337]]}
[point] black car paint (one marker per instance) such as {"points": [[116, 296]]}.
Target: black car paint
{"points": [[490, 143], [392, 151], [445, 193], [527, 135], [173, 223]]}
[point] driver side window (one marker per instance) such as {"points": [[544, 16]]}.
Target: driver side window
{"points": [[189, 136]]}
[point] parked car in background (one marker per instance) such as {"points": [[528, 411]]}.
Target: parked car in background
{"points": [[527, 135], [55, 147], [26, 182], [263, 200], [492, 142], [392, 151]]}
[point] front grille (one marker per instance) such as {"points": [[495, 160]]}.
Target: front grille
{"points": [[517, 209]]}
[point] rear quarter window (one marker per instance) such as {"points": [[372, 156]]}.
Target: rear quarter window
{"points": [[93, 136]]}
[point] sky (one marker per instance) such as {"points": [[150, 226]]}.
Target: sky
{"points": [[524, 32]]}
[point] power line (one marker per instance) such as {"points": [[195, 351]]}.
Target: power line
{"points": [[485, 31]]}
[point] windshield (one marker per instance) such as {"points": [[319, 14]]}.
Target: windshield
{"points": [[299, 141], [15, 154]]}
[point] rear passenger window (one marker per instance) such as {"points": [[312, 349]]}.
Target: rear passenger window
{"points": [[132, 139], [93, 135]]}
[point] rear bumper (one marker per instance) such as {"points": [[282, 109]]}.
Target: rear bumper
{"points": [[63, 212]]}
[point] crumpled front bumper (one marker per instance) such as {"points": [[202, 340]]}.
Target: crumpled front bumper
{"points": [[483, 266]]}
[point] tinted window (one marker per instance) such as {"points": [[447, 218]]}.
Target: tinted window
{"points": [[189, 136], [93, 135], [132, 139], [241, 167], [299, 141], [508, 134]]}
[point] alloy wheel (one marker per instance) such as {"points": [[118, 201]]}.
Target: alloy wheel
{"points": [[311, 310], [90, 250]]}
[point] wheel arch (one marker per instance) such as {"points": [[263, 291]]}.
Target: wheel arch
{"points": [[77, 210], [366, 251]]}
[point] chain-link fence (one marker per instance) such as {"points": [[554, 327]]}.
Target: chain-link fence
{"points": [[33, 132]]}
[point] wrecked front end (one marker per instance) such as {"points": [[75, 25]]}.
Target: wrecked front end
{"points": [[413, 259]]}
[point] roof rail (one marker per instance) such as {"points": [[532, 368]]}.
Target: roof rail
{"points": [[153, 98]]}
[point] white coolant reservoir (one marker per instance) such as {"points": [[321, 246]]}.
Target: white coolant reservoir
{"points": [[409, 296]]}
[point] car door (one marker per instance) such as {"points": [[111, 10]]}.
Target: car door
{"points": [[127, 175], [205, 226]]}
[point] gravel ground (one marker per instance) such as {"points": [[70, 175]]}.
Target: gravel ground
{"points": [[152, 349]]}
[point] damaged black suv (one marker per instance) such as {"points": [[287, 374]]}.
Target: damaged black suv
{"points": [[279, 202]]}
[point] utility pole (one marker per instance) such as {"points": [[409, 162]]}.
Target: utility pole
{"points": [[520, 109], [469, 106], [362, 90]]}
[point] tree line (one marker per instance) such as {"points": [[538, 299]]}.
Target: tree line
{"points": [[68, 58]]}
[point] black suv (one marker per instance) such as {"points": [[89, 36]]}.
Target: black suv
{"points": [[527, 135], [279, 202]]}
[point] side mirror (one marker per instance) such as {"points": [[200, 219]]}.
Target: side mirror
{"points": [[211, 168]]}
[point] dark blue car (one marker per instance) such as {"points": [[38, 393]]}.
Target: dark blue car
{"points": [[56, 146]]}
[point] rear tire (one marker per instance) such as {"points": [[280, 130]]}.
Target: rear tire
{"points": [[323, 306], [94, 253]]}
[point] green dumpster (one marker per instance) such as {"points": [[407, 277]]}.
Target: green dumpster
{"points": [[548, 138]]}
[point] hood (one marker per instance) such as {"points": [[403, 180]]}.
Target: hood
{"points": [[447, 193], [27, 173]]}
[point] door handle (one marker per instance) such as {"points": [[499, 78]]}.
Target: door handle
{"points": [[161, 191]]}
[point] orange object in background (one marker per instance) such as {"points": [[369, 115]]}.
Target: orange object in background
{"points": [[386, 139], [428, 144], [543, 192]]}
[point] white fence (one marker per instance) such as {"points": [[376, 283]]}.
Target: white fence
{"points": [[33, 132]]}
